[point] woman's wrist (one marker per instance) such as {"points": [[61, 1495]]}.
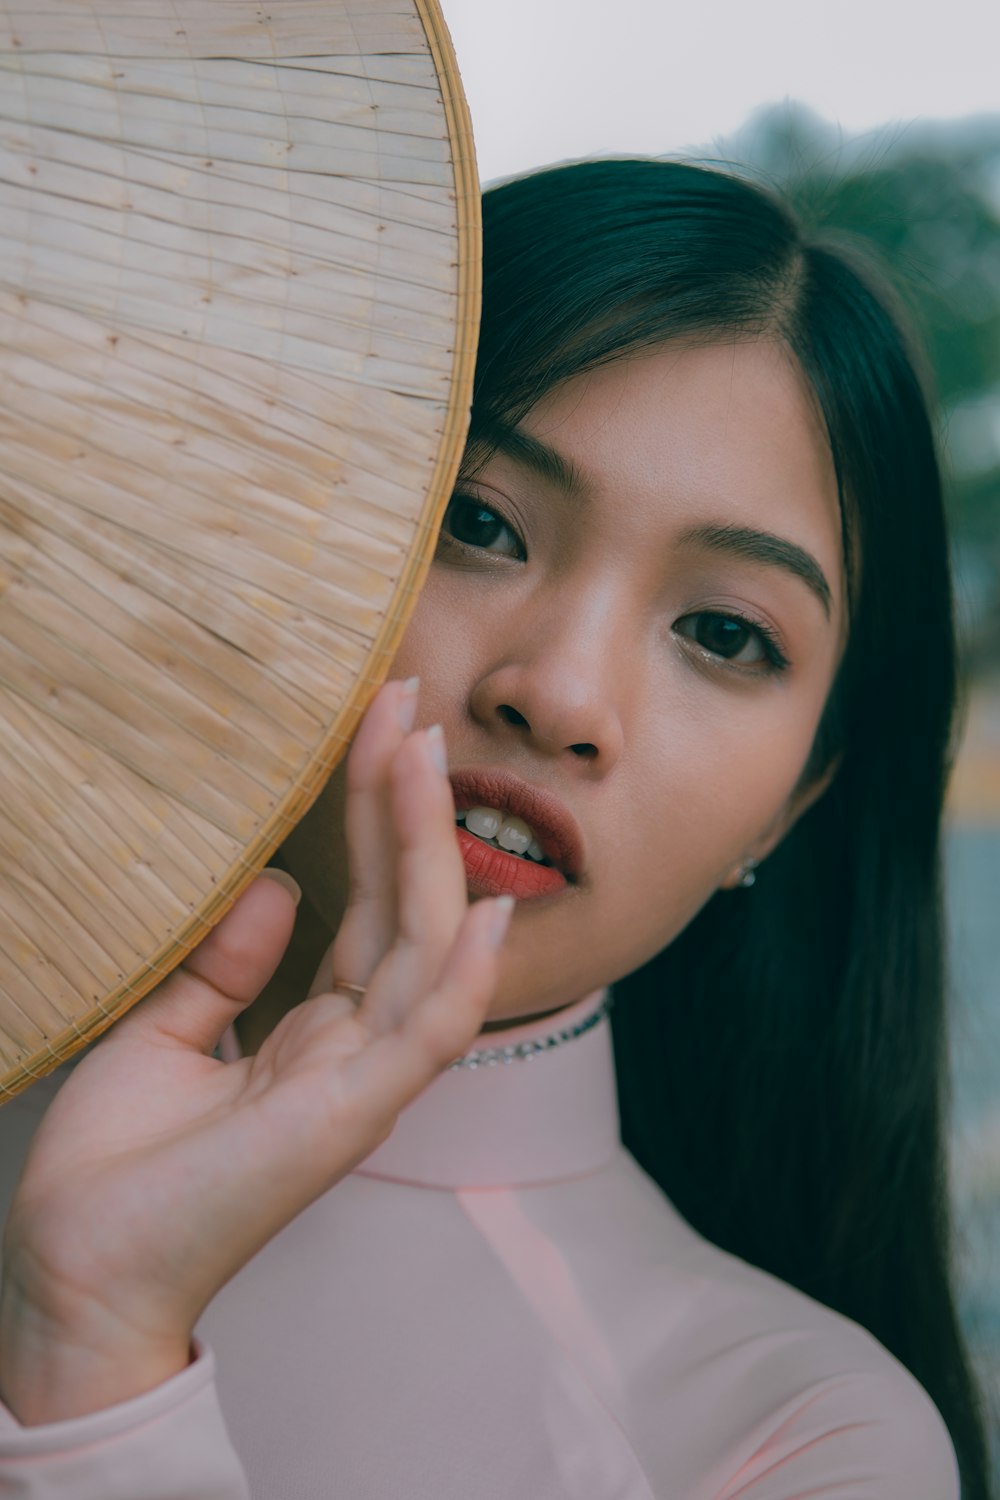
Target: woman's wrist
{"points": [[53, 1374]]}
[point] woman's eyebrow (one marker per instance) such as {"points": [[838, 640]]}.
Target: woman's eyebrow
{"points": [[762, 547], [499, 437], [739, 541]]}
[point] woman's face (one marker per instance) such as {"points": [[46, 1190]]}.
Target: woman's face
{"points": [[651, 644]]}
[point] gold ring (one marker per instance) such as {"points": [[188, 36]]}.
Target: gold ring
{"points": [[355, 992]]}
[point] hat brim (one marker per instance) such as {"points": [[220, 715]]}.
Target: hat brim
{"points": [[240, 305]]}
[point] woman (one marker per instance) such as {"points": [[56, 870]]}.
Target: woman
{"points": [[689, 625]]}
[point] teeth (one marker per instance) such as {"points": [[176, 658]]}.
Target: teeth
{"points": [[503, 830], [515, 836], [484, 821]]}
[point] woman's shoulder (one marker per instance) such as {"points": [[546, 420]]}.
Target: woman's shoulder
{"points": [[799, 1388], [825, 1395]]}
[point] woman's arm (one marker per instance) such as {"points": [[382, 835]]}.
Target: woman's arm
{"points": [[169, 1444]]}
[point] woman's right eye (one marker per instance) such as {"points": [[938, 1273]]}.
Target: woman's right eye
{"points": [[472, 524]]}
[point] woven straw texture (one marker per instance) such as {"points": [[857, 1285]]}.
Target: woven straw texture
{"points": [[239, 296]]}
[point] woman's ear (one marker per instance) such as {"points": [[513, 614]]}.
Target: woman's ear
{"points": [[801, 799]]}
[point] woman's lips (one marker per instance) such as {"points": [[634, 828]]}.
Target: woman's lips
{"points": [[550, 820], [494, 872]]}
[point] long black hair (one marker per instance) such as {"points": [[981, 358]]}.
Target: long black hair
{"points": [[793, 1107]]}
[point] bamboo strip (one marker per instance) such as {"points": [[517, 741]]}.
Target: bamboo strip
{"points": [[236, 291], [115, 172], [167, 637], [97, 828], [31, 1015], [328, 85], [187, 848], [310, 672], [409, 310], [253, 317], [88, 485], [196, 30], [97, 910], [47, 923], [77, 93], [249, 395], [201, 469], [78, 694], [144, 667], [317, 145]]}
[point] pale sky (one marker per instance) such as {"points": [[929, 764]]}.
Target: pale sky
{"points": [[551, 79]]}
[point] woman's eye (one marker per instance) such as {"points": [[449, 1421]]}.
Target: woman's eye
{"points": [[473, 524], [733, 638]]}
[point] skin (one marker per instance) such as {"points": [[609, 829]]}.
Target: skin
{"points": [[569, 657], [693, 765]]}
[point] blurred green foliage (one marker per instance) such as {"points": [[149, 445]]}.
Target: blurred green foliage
{"points": [[926, 196]]}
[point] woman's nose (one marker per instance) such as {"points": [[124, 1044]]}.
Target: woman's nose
{"points": [[555, 690]]}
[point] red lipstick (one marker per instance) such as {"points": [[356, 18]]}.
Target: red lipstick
{"points": [[494, 872]]}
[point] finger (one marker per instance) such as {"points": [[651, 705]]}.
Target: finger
{"points": [[324, 976], [220, 977], [432, 886], [369, 922], [432, 896], [445, 1021]]}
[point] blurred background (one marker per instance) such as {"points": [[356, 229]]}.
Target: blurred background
{"points": [[883, 119]]}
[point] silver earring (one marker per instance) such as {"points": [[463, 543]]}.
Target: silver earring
{"points": [[747, 876]]}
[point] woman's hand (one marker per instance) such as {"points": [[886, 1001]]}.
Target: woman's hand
{"points": [[158, 1171]]}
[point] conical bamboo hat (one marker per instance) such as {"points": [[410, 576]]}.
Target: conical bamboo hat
{"points": [[239, 293]]}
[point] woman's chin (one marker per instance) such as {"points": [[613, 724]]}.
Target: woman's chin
{"points": [[524, 993]]}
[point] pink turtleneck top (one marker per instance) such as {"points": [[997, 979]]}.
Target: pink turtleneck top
{"points": [[498, 1303]]}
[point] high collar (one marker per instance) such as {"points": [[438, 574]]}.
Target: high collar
{"points": [[531, 1120]]}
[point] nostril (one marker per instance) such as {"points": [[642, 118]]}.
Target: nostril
{"points": [[585, 752], [510, 715]]}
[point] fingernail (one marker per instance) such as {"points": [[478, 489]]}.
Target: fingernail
{"points": [[503, 907], [408, 703], [282, 877], [436, 746]]}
